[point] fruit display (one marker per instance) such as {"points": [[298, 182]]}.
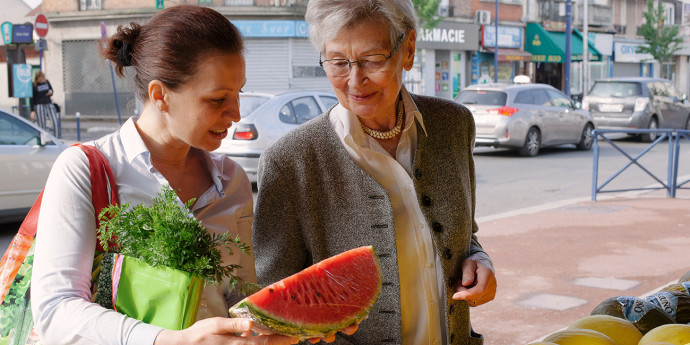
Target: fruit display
{"points": [[621, 331], [319, 300], [662, 318], [579, 337], [675, 334], [643, 314]]}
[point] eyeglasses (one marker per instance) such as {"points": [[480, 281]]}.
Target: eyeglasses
{"points": [[369, 63]]}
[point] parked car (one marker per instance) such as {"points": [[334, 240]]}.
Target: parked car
{"points": [[267, 117], [27, 154], [644, 103], [526, 117]]}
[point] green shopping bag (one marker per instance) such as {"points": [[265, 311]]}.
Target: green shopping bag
{"points": [[159, 295]]}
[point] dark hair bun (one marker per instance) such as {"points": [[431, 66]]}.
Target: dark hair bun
{"points": [[124, 53]]}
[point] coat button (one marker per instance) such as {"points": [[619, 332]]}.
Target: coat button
{"points": [[447, 254], [451, 282], [452, 337], [426, 201], [418, 173], [452, 309], [437, 227]]}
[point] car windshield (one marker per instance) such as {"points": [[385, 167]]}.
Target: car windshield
{"points": [[250, 102], [616, 89], [482, 97]]}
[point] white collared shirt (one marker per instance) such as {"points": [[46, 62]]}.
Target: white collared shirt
{"points": [[66, 239], [418, 264]]}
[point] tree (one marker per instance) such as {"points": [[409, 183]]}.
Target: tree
{"points": [[662, 40], [427, 11]]}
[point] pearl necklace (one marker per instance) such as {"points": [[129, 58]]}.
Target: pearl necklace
{"points": [[390, 134]]}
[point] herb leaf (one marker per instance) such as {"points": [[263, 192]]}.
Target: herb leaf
{"points": [[168, 235]]}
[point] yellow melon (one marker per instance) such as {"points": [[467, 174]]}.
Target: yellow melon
{"points": [[676, 334], [542, 343], [579, 337], [621, 331]]}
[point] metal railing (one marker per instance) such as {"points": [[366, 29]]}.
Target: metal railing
{"points": [[671, 136]]}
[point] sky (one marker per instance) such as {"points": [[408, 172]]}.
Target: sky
{"points": [[32, 3]]}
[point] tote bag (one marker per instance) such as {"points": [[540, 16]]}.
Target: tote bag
{"points": [[16, 321]]}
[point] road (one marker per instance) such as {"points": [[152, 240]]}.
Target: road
{"points": [[507, 182]]}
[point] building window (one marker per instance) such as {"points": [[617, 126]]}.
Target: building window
{"points": [[239, 2], [88, 5], [669, 14]]}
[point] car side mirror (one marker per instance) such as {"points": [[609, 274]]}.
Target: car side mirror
{"points": [[578, 105], [45, 140], [684, 97]]}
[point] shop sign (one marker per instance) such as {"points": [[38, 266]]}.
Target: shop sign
{"points": [[272, 28], [627, 52], [6, 29], [449, 36], [508, 36]]}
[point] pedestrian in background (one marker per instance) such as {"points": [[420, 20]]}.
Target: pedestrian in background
{"points": [[42, 107], [385, 168]]}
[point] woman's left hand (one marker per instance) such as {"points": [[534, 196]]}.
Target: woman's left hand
{"points": [[478, 284]]}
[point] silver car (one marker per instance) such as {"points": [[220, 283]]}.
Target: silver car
{"points": [[645, 103], [526, 117], [27, 154], [267, 117]]}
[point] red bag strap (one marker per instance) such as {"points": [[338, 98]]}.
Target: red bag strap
{"points": [[103, 189]]}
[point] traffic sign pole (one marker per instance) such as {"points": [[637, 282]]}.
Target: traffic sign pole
{"points": [[104, 37]]}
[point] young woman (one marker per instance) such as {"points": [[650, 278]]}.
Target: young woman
{"points": [[189, 70]]}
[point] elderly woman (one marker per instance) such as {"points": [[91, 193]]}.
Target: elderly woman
{"points": [[382, 168]]}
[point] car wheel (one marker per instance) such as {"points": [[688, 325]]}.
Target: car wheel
{"points": [[649, 137], [531, 146], [587, 139]]}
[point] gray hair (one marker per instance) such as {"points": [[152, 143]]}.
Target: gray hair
{"points": [[327, 18]]}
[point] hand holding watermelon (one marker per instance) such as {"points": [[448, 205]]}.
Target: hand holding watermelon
{"points": [[317, 302], [220, 330]]}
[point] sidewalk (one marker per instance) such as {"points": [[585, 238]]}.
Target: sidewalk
{"points": [[555, 265]]}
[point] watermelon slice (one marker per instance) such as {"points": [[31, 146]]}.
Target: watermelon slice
{"points": [[320, 300]]}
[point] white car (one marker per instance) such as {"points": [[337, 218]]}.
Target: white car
{"points": [[27, 154], [267, 117]]}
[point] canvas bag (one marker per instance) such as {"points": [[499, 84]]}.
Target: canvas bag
{"points": [[16, 322], [158, 295]]}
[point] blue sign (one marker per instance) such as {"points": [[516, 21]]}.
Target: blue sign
{"points": [[272, 28], [22, 33], [508, 36], [21, 81]]}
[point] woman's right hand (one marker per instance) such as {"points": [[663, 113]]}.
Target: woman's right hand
{"points": [[33, 115], [219, 330]]}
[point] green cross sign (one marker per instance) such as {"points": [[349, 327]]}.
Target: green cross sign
{"points": [[159, 4]]}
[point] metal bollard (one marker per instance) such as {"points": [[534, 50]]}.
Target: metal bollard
{"points": [[78, 130]]}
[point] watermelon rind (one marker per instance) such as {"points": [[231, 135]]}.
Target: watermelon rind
{"points": [[268, 324], [265, 322]]}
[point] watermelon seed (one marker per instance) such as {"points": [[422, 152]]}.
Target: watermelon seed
{"points": [[318, 294], [270, 290], [293, 296]]}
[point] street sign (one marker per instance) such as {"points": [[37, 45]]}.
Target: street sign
{"points": [[104, 32], [41, 25], [6, 29], [23, 33]]}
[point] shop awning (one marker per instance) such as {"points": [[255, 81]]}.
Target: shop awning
{"points": [[549, 46], [511, 54]]}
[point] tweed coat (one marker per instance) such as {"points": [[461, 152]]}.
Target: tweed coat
{"points": [[314, 202]]}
